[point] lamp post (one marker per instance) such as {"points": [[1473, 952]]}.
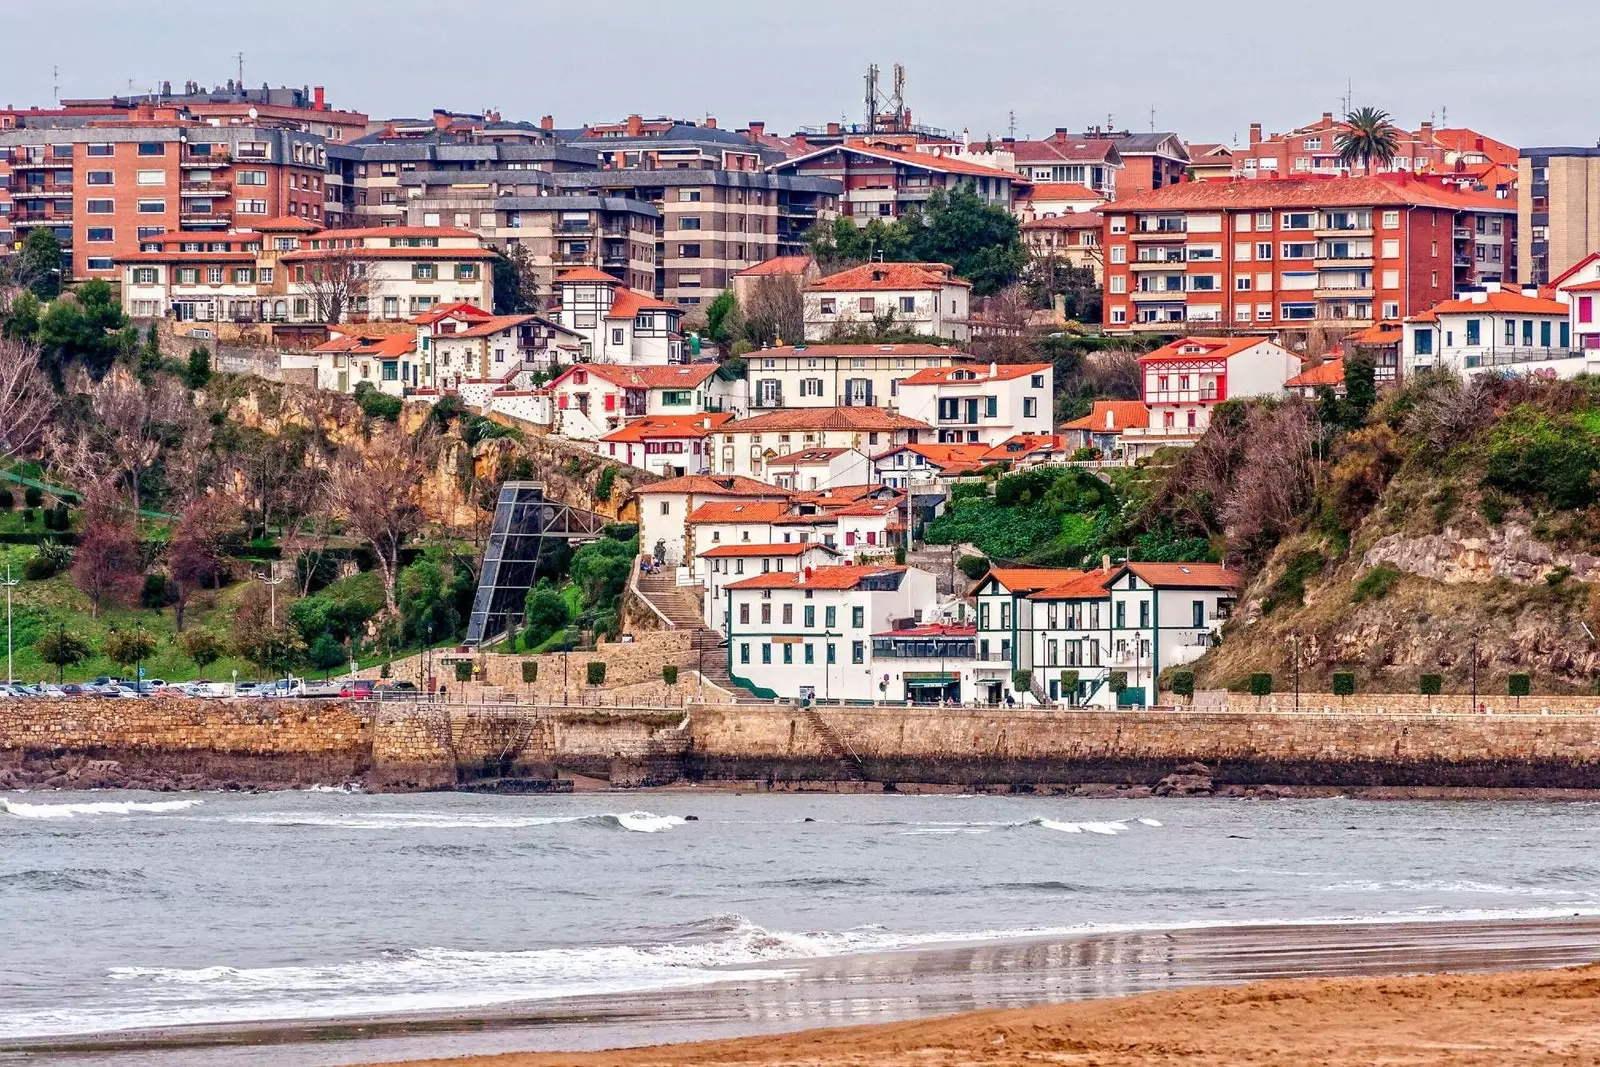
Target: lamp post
{"points": [[10, 583], [1295, 637], [61, 640], [138, 653], [272, 582]]}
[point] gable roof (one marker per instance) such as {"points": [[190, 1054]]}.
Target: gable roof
{"points": [[1187, 575], [460, 309], [1026, 579], [890, 153], [808, 455], [919, 348], [740, 511], [1112, 416], [1330, 372], [1085, 585], [1063, 148], [491, 326], [653, 376], [720, 485], [1024, 444], [1379, 333], [1503, 301], [888, 276], [1061, 191], [1250, 194], [840, 495], [390, 346], [945, 457], [1214, 348], [786, 548], [667, 427], [845, 577], [777, 266], [859, 419], [627, 303], [586, 274], [996, 372]]}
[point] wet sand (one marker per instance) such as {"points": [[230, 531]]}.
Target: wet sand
{"points": [[858, 991]]}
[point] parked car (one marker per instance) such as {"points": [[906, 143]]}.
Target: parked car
{"points": [[245, 689], [357, 689], [397, 691], [122, 692], [321, 690]]}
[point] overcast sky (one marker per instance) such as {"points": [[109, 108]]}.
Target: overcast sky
{"points": [[1522, 72]]}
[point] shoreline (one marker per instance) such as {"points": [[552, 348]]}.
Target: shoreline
{"points": [[941, 979]]}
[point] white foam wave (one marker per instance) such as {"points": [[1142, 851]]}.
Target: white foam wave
{"points": [[1148, 822], [637, 821], [1107, 829], [21, 810], [1418, 885]]}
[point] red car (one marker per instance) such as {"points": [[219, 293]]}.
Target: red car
{"points": [[357, 689]]}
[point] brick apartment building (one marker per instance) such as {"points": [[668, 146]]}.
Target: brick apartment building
{"points": [[1558, 213], [1295, 254], [305, 109], [103, 187], [1313, 150], [882, 181]]}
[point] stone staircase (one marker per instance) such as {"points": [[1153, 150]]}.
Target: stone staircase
{"points": [[678, 605], [836, 746]]}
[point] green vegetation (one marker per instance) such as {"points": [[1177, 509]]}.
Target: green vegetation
{"points": [[1260, 684], [376, 405], [594, 672], [669, 673], [1376, 583], [530, 672], [1183, 684], [1344, 683], [463, 670], [1022, 680], [1519, 685], [974, 567], [1430, 685]]}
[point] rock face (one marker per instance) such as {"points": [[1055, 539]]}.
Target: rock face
{"points": [[1509, 551]]}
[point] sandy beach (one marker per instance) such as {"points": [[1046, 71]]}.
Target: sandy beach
{"points": [[1488, 1020]]}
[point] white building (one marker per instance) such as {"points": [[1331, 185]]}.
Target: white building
{"points": [[1132, 622], [726, 564], [1579, 285], [981, 405], [664, 509], [923, 298], [617, 324], [394, 272], [386, 360], [827, 375], [1185, 381], [1498, 331], [1005, 616], [745, 446], [669, 445], [818, 468], [465, 342], [922, 466], [933, 662], [809, 633], [595, 399]]}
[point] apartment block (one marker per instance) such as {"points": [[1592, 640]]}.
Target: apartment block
{"points": [[920, 298], [1292, 254], [285, 107], [829, 375], [1183, 382], [106, 188], [882, 181], [745, 446], [1558, 211], [617, 324], [1313, 150]]}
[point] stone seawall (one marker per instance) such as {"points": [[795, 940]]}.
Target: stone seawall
{"points": [[199, 744]]}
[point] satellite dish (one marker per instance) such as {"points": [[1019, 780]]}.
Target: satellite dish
{"points": [[252, 113]]}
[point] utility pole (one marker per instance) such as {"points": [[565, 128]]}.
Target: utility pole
{"points": [[138, 652], [1474, 651], [1296, 639], [272, 582], [10, 583]]}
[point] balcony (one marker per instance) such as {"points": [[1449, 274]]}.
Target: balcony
{"points": [[211, 159], [40, 162], [1463, 233], [573, 259], [571, 226], [1338, 292], [45, 191], [190, 217], [1510, 357], [1345, 261], [204, 188], [38, 219], [1351, 231], [1175, 296], [1156, 258]]}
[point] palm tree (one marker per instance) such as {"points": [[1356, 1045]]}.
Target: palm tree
{"points": [[1366, 137]]}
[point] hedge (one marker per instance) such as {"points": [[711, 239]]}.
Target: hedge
{"points": [[1519, 685], [1261, 684], [463, 670], [669, 673], [595, 671], [1183, 683], [1344, 683], [530, 671], [1431, 685]]}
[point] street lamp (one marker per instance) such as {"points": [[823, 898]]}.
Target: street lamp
{"points": [[1295, 637], [10, 583], [138, 653]]}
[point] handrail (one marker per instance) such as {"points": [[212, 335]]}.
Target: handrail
{"points": [[633, 587]]}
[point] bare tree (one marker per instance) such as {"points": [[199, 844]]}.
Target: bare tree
{"points": [[1005, 333], [377, 491], [338, 281], [135, 425], [26, 401], [1274, 481], [776, 310]]}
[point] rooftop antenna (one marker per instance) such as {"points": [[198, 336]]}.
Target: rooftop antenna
{"points": [[1011, 126], [897, 102], [872, 98], [240, 57], [55, 77], [1444, 116]]}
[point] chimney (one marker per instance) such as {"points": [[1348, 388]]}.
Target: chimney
{"points": [[833, 129], [1105, 563], [758, 129], [800, 142], [547, 122], [1061, 135], [1327, 118], [635, 125], [166, 88], [319, 98], [1111, 421], [1255, 134], [1426, 134], [711, 122], [994, 368]]}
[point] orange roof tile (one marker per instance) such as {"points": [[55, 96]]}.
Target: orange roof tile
{"points": [[1024, 444], [942, 456], [381, 252], [807, 455], [1061, 191], [1583, 287], [1329, 372], [1215, 348], [631, 376], [626, 303], [1085, 585], [1000, 372], [786, 548], [888, 276], [1028, 579], [363, 232], [491, 326], [666, 427], [284, 224], [1379, 333], [1122, 414], [460, 309], [1073, 220], [1187, 575], [924, 160], [836, 495], [392, 346], [586, 274], [859, 419], [718, 485], [777, 266], [1251, 194], [740, 511], [917, 349], [819, 578], [1502, 301]]}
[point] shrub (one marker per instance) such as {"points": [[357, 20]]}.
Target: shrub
{"points": [[1183, 684], [27, 516], [1022, 681], [463, 670], [48, 560], [33, 496], [62, 648], [1377, 583], [1532, 453], [1519, 685], [62, 521], [595, 672], [607, 480], [204, 648], [1344, 683], [974, 567], [198, 370], [1290, 588], [1431, 685], [376, 405], [128, 646], [154, 593], [1069, 684], [383, 671], [7, 500], [1085, 454], [530, 671], [900, 555], [1117, 682], [1558, 575], [1261, 684], [325, 652], [669, 673]]}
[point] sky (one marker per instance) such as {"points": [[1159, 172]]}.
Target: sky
{"points": [[1521, 72]]}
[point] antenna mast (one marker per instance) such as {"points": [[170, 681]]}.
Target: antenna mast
{"points": [[872, 98]]}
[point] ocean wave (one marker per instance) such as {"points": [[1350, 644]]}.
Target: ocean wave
{"points": [[1420, 885], [1105, 829], [20, 810], [642, 822], [84, 878]]}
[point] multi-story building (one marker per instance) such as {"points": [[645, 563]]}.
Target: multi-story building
{"points": [[104, 189], [829, 375], [1558, 211], [1499, 332], [305, 109], [617, 324], [819, 468], [595, 399], [980, 405], [1103, 427], [808, 633], [671, 446], [1073, 238], [797, 271], [464, 343], [1297, 254], [1089, 161], [883, 181], [1209, 162], [1150, 161], [664, 509], [919, 466], [671, 144], [1184, 381], [744, 446], [1005, 619], [921, 298], [1579, 285], [1313, 150], [726, 564]]}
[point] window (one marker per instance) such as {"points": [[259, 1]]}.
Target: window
{"points": [[152, 148], [1422, 343], [1030, 407], [766, 652], [810, 656], [151, 177], [250, 177], [100, 207], [423, 272], [1391, 310], [264, 275], [144, 276], [1119, 315], [98, 234], [1119, 254], [689, 251], [1264, 250], [1474, 333], [616, 336], [1298, 250], [214, 275], [99, 263], [829, 306], [833, 652], [1298, 220], [1242, 283], [689, 222], [744, 646], [858, 652], [688, 196], [243, 275], [98, 177], [811, 616], [466, 272], [858, 617], [1391, 249], [908, 304], [93, 149], [1119, 284], [829, 617], [1391, 220], [788, 653], [868, 304]]}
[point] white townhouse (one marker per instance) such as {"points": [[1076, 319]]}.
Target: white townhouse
{"points": [[1005, 618], [387, 360], [665, 507], [616, 324], [745, 446], [923, 466], [932, 662], [464, 342], [808, 633], [1132, 621], [595, 399], [1498, 331], [828, 375], [726, 564], [1579, 285], [390, 273], [922, 298], [819, 468], [1184, 381], [978, 405], [668, 445]]}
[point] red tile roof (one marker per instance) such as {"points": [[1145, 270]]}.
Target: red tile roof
{"points": [[943, 456], [283, 224], [820, 578], [1330, 372], [933, 629], [777, 266], [1123, 414], [626, 303], [787, 548], [667, 427], [836, 495], [997, 372], [1028, 579], [1085, 585], [1379, 333], [859, 419], [888, 276], [1024, 444], [631, 376], [1061, 191], [1514, 303], [808, 455], [382, 252], [1074, 220], [917, 349], [922, 160], [740, 511], [460, 309], [1215, 348], [1254, 194], [392, 346], [363, 232], [491, 326], [1583, 287], [586, 274], [719, 485], [1187, 575], [870, 508], [1066, 149]]}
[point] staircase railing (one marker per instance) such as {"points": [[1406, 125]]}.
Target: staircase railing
{"points": [[638, 594]]}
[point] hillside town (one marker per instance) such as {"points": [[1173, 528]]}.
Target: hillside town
{"points": [[804, 350]]}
